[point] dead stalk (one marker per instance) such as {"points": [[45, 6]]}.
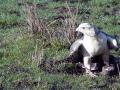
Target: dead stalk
{"points": [[38, 28]]}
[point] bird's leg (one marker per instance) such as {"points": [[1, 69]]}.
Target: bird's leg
{"points": [[87, 61], [89, 66]]}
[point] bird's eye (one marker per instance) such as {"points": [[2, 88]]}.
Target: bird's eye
{"points": [[83, 27]]}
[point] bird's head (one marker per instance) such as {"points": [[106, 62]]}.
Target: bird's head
{"points": [[87, 29]]}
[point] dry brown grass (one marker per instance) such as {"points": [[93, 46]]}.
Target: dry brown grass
{"points": [[65, 32], [35, 24]]}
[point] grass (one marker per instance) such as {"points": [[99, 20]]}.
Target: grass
{"points": [[25, 56]]}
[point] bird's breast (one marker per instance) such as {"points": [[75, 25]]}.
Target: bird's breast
{"points": [[95, 46]]}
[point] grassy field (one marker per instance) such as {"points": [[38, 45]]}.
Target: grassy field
{"points": [[33, 33]]}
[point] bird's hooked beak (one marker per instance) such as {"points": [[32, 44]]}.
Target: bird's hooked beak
{"points": [[78, 30]]}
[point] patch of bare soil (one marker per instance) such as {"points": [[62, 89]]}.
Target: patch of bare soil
{"points": [[38, 6], [62, 10], [72, 1], [15, 68], [25, 83], [112, 12], [14, 12]]}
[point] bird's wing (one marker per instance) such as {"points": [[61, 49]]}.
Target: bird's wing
{"points": [[112, 42], [74, 47]]}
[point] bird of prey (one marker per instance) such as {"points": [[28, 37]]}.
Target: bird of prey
{"points": [[94, 42]]}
